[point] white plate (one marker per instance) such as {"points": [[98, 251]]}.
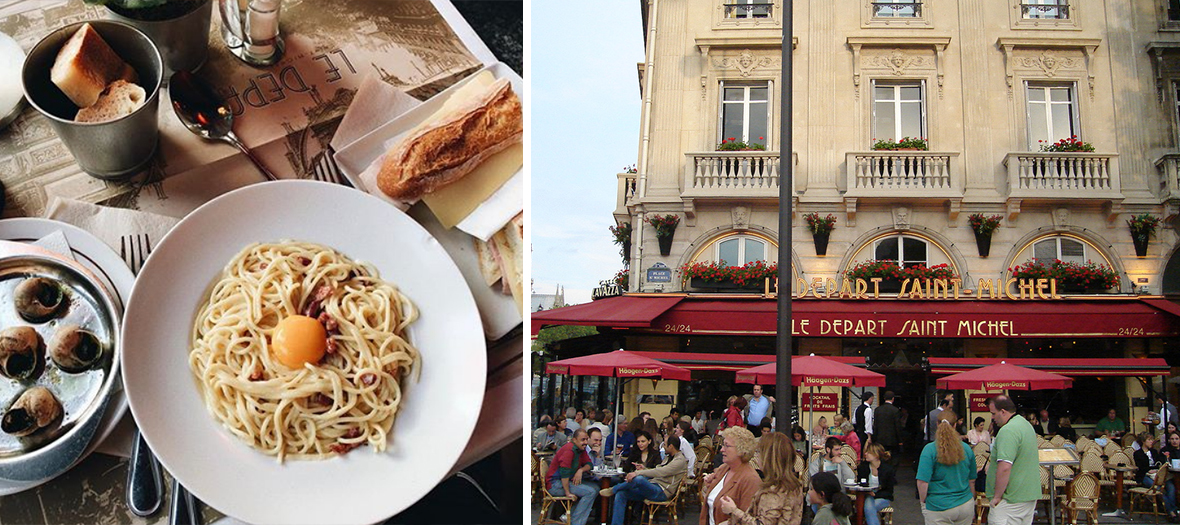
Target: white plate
{"points": [[499, 311], [99, 258], [440, 410]]}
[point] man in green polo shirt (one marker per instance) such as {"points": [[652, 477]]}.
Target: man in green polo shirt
{"points": [[1014, 476], [1111, 425]]}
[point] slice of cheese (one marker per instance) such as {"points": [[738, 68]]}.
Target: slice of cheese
{"points": [[454, 202], [509, 242]]}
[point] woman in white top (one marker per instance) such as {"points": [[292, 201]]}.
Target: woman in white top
{"points": [[979, 434]]}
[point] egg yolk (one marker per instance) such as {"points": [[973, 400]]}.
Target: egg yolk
{"points": [[299, 339]]}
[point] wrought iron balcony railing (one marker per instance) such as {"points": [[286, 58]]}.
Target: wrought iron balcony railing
{"points": [[910, 9], [1058, 11], [762, 10]]}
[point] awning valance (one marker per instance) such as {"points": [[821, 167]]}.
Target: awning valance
{"points": [[974, 319], [730, 362], [1122, 367]]}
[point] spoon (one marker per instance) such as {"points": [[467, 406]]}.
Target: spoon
{"points": [[203, 113]]}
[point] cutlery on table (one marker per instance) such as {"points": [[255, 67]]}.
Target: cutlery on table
{"points": [[185, 508], [326, 169], [145, 485], [203, 113]]}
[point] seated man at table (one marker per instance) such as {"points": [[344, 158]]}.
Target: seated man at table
{"points": [[594, 447], [832, 461], [621, 438], [549, 439], [565, 475], [1111, 425], [656, 484]]}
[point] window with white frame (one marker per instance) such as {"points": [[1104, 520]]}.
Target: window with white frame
{"points": [[899, 110], [1064, 249], [1052, 113], [907, 251], [897, 8], [1045, 9], [739, 250], [745, 112], [748, 8]]}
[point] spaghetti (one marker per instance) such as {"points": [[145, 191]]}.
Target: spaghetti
{"points": [[350, 397]]}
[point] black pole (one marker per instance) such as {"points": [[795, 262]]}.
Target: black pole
{"points": [[785, 193]]}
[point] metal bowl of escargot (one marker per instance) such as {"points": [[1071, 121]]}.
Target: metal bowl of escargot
{"points": [[58, 361]]}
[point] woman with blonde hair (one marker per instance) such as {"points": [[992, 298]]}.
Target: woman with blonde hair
{"points": [[733, 413], [735, 477], [779, 500], [819, 434], [945, 471], [878, 471]]}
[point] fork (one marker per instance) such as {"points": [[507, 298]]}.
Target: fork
{"points": [[145, 486], [326, 169]]}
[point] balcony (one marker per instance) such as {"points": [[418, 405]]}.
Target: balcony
{"points": [[731, 174], [903, 174], [1169, 168], [1063, 175]]}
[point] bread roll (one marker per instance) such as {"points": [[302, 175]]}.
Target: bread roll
{"points": [[86, 65], [444, 151], [118, 99]]}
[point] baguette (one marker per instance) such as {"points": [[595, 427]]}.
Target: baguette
{"points": [[443, 152], [86, 65], [117, 100]]}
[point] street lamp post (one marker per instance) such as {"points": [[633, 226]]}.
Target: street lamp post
{"points": [[785, 193]]}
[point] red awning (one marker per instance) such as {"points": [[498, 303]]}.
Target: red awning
{"points": [[627, 311], [730, 362], [1127, 367], [888, 318], [813, 370], [619, 363], [1004, 376]]}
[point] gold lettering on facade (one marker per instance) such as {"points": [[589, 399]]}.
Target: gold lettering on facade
{"points": [[862, 289], [846, 288], [876, 287], [986, 284], [1042, 285], [830, 289], [1008, 289], [1026, 288]]}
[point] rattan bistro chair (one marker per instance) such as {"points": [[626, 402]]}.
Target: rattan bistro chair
{"points": [[547, 500], [1153, 494], [1082, 498], [651, 508]]}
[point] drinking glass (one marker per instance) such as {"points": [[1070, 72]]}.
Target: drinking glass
{"points": [[250, 29]]}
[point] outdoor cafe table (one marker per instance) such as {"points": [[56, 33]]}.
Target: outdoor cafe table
{"points": [[94, 491], [862, 492], [1119, 471], [605, 478]]}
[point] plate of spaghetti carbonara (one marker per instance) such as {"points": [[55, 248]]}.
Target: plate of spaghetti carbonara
{"points": [[290, 349]]}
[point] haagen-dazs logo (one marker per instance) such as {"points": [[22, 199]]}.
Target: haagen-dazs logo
{"points": [[1001, 385], [638, 371], [808, 381]]}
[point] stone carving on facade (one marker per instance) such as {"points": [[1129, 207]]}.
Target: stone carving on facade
{"points": [[901, 217], [1061, 219], [741, 217], [898, 61], [746, 63], [1050, 63]]}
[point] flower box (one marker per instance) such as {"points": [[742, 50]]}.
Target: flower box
{"points": [[697, 282]]}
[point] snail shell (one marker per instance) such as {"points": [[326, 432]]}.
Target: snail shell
{"points": [[21, 351], [35, 409], [74, 349], [39, 299]]}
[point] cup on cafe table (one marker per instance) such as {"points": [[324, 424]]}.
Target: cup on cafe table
{"points": [[112, 150]]}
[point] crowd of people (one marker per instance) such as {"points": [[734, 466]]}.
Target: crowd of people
{"points": [[753, 479]]}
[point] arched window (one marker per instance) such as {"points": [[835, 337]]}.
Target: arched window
{"points": [[738, 250], [1063, 248], [906, 250]]}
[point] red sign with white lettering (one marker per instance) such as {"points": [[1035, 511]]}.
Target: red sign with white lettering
{"points": [[979, 402], [826, 402]]}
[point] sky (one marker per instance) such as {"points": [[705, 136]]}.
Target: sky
{"points": [[585, 104]]}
